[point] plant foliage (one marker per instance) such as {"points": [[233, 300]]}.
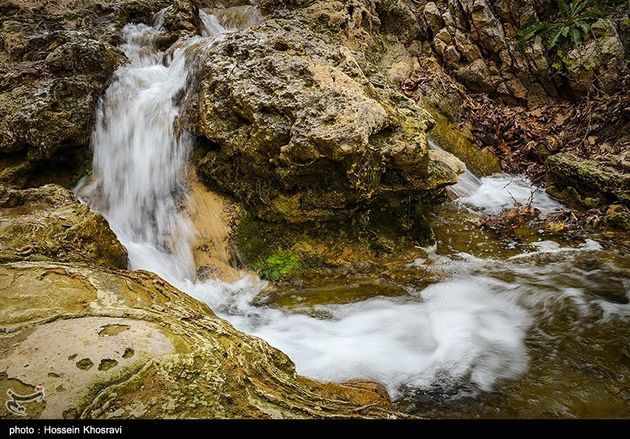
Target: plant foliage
{"points": [[281, 264], [574, 21]]}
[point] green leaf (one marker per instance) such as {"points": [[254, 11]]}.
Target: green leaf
{"points": [[533, 29], [578, 6], [576, 36], [563, 6], [530, 31], [554, 40], [565, 31], [584, 26]]}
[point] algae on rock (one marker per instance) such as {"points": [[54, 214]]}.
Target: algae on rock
{"points": [[50, 223], [156, 353]]}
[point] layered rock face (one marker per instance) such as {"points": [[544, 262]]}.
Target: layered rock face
{"points": [[298, 121], [477, 40], [115, 344], [50, 223]]}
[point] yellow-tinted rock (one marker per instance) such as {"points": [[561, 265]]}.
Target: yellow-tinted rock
{"points": [[118, 344], [50, 223]]}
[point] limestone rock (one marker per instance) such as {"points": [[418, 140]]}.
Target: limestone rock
{"points": [[296, 129], [444, 45], [599, 62], [114, 344], [48, 114], [486, 27], [56, 59], [476, 76], [587, 183], [433, 17], [49, 222], [468, 50], [462, 32]]}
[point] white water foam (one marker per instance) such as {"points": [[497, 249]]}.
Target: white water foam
{"points": [[467, 329], [211, 25], [498, 192]]}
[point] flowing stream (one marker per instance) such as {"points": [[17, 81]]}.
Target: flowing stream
{"points": [[502, 329]]}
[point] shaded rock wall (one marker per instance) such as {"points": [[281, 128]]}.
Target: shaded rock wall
{"points": [[477, 41]]}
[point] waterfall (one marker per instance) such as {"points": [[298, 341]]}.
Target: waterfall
{"points": [[140, 160], [466, 329]]}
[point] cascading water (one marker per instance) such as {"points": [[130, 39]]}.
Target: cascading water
{"points": [[140, 161], [470, 328]]}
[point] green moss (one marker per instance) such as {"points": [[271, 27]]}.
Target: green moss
{"points": [[253, 240], [281, 264], [287, 206], [586, 183], [481, 161]]}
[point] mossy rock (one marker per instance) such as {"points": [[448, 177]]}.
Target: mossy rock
{"points": [[587, 183], [459, 142], [50, 223], [154, 352], [370, 243]]}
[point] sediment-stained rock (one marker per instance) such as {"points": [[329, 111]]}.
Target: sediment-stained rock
{"points": [[117, 344], [50, 223]]}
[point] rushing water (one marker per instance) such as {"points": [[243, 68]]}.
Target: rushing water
{"points": [[499, 318]]}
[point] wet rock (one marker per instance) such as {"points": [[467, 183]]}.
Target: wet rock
{"points": [[587, 183], [176, 359], [49, 222], [460, 143], [301, 131], [56, 59], [182, 15]]}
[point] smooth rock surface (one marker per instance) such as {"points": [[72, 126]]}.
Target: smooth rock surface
{"points": [[117, 344], [50, 223]]}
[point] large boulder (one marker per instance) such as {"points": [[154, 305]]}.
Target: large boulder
{"points": [[116, 344], [299, 127], [50, 223]]}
